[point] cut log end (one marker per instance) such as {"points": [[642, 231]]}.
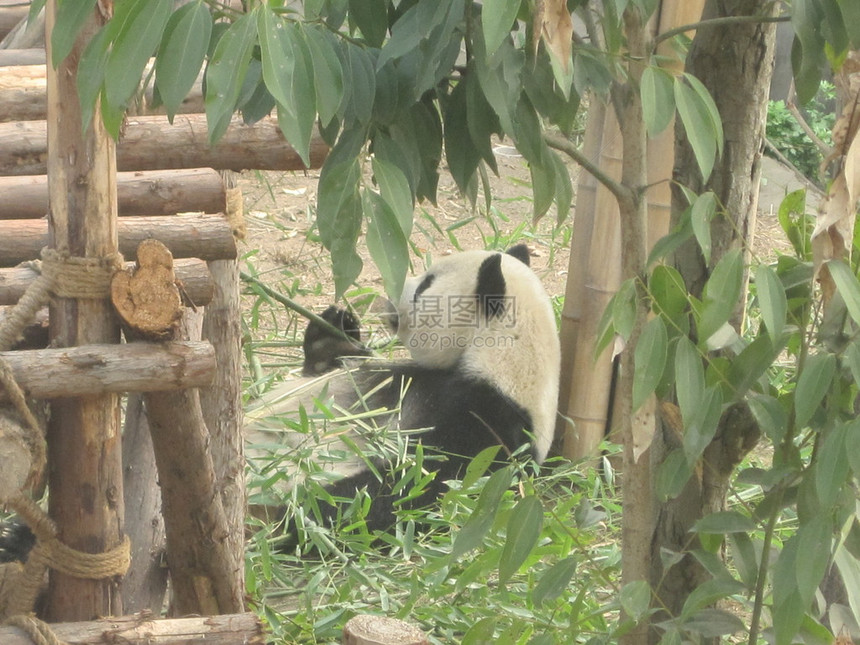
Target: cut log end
{"points": [[380, 630], [147, 297]]}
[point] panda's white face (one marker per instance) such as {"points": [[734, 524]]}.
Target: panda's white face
{"points": [[508, 337]]}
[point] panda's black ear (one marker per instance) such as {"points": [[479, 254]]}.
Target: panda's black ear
{"points": [[491, 288], [521, 253]]}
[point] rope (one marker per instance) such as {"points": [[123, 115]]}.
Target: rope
{"points": [[37, 631], [63, 276]]}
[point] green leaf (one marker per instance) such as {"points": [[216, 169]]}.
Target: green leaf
{"points": [[770, 416], [701, 214], [701, 431], [359, 84], [371, 18], [479, 465], [180, 56], [721, 293], [327, 74], [724, 522], [461, 153], [623, 305], [847, 285], [141, 26], [482, 123], [543, 185], [689, 380], [743, 555], [554, 581], [226, 73], [649, 360], [387, 244], [71, 16], [771, 297], [524, 528], [481, 633], [831, 465], [289, 76], [497, 19], [713, 623], [695, 107], [813, 541], [91, 74], [852, 447], [394, 188], [851, 17], [481, 519], [812, 384], [669, 296], [708, 593], [852, 360], [658, 99], [672, 475], [563, 189], [635, 599]]}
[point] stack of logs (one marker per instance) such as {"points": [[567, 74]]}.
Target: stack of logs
{"points": [[168, 189]]}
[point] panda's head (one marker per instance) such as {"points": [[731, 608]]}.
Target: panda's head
{"points": [[487, 314]]}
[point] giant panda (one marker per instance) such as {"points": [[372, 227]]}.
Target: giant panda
{"points": [[484, 371]]}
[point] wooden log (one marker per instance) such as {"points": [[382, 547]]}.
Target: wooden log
{"points": [[197, 286], [144, 585], [10, 57], [90, 370], [144, 629], [151, 143], [11, 13], [84, 435], [151, 192], [22, 93], [146, 295], [207, 237], [365, 629], [203, 566]]}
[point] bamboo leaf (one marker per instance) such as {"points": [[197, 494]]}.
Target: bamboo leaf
{"points": [[497, 19], [481, 519], [658, 99], [812, 384], [554, 581], [744, 557], [524, 529], [91, 74], [672, 475], [771, 417], [180, 56], [711, 623], [394, 188], [649, 360]]}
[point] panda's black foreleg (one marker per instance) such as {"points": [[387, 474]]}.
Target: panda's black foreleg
{"points": [[16, 541]]}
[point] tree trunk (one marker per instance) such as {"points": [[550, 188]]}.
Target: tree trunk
{"points": [[85, 468], [740, 56]]}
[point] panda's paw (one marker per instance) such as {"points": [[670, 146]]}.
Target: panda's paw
{"points": [[324, 351], [16, 541]]}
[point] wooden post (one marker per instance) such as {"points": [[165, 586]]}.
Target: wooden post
{"points": [[85, 469]]}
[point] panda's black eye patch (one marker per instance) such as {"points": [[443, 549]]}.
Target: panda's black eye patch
{"points": [[423, 286]]}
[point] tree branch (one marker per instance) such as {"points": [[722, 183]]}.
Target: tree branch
{"points": [[567, 147], [714, 22]]}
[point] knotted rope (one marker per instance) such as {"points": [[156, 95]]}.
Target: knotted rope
{"points": [[64, 276], [37, 631]]}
